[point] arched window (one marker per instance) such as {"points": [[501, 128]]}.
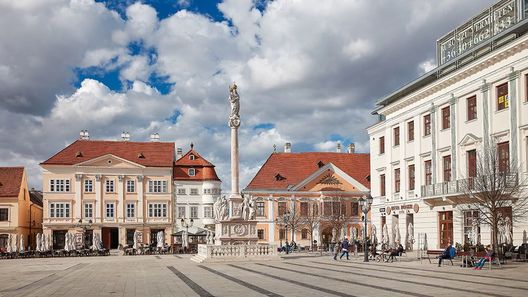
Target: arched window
{"points": [[192, 172], [192, 157]]}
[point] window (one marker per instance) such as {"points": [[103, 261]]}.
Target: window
{"points": [[304, 209], [281, 207], [59, 210], [447, 168], [181, 191], [4, 241], [194, 191], [88, 185], [382, 145], [355, 208], [260, 234], [59, 185], [471, 227], [503, 151], [396, 136], [327, 208], [4, 214], [131, 186], [304, 234], [428, 173], [502, 96], [157, 186], [427, 124], [192, 172], [109, 186], [194, 212], [192, 157], [397, 180], [411, 177], [110, 210], [410, 131], [208, 212], [131, 210], [471, 108], [157, 210], [446, 121], [88, 210], [472, 163], [260, 209], [382, 184], [181, 212]]}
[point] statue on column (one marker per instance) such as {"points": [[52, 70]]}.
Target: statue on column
{"points": [[221, 209], [234, 99]]}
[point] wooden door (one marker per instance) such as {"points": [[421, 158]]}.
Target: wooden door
{"points": [[445, 220]]}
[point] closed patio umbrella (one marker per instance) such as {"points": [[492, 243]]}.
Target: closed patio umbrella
{"points": [[525, 238], [160, 239], [9, 246], [385, 234], [373, 235], [22, 248]]}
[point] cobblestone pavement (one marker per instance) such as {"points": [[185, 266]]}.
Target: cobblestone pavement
{"points": [[170, 275]]}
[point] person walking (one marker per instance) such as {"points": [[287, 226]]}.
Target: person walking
{"points": [[336, 249], [344, 248]]}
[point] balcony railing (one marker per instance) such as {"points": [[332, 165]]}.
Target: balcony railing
{"points": [[458, 186]]}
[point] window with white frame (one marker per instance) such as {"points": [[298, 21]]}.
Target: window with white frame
{"points": [[208, 191], [59, 210], [88, 185], [194, 212], [59, 185], [157, 186], [131, 186], [109, 186], [131, 210], [88, 210], [194, 191], [4, 214], [192, 172], [208, 212], [110, 210], [157, 210], [181, 211], [192, 157], [181, 191], [260, 209]]}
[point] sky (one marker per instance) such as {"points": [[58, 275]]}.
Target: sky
{"points": [[308, 72]]}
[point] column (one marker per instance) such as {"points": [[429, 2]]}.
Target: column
{"points": [[140, 213], [454, 127], [271, 218], [98, 197], [120, 198], [418, 162], [78, 190], [234, 161], [433, 143], [512, 97], [485, 116]]}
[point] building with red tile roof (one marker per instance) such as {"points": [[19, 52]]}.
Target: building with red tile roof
{"points": [[325, 186], [19, 214]]}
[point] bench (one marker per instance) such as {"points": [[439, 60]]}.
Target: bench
{"points": [[437, 253], [477, 256]]}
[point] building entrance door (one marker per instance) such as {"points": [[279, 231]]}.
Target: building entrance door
{"points": [[445, 221], [59, 239], [110, 238]]}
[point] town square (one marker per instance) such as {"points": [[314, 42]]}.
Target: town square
{"points": [[263, 147]]}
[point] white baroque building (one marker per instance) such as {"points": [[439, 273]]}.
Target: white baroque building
{"points": [[429, 130]]}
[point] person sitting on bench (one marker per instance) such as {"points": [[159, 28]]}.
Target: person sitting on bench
{"points": [[489, 256], [448, 254]]}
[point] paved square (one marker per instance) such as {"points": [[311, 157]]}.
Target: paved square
{"points": [[298, 275]]}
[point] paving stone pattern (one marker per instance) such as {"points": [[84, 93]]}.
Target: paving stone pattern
{"points": [[298, 275]]}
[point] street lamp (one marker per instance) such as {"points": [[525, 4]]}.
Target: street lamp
{"points": [[365, 202]]}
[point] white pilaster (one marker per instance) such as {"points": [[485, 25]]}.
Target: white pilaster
{"points": [[140, 193], [78, 190], [98, 197], [271, 218], [120, 198]]}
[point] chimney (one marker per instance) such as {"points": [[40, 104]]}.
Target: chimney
{"points": [[338, 149], [84, 135], [179, 153], [125, 136], [351, 148], [287, 147], [154, 137]]}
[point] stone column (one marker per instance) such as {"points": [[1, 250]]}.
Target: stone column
{"points": [[433, 144], [78, 192], [485, 114], [140, 194], [271, 218], [120, 198], [98, 198], [452, 114], [512, 98], [234, 161]]}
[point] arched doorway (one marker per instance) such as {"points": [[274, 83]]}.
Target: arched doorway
{"points": [[326, 237]]}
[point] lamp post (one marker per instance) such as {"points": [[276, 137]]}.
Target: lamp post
{"points": [[365, 202]]}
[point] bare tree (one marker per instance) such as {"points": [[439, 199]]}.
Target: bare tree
{"points": [[495, 189], [337, 217], [291, 219], [311, 220]]}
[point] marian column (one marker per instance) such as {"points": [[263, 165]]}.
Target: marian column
{"points": [[235, 199]]}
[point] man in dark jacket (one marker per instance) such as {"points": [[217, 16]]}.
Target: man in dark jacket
{"points": [[344, 247], [449, 253]]}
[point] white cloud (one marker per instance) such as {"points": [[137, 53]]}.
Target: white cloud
{"points": [[357, 48], [427, 66]]}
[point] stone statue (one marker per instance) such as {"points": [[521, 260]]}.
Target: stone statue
{"points": [[508, 236], [221, 209], [234, 99], [252, 209], [245, 206]]}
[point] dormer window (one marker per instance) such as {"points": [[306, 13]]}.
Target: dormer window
{"points": [[192, 172], [279, 177], [320, 164], [192, 157], [78, 154], [141, 156]]}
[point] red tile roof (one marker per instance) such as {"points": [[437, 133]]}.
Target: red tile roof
{"points": [[149, 154], [295, 167], [10, 181], [204, 170]]}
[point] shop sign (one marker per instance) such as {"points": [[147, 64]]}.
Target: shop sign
{"points": [[399, 209]]}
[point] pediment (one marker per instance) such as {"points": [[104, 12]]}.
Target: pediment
{"points": [[109, 161], [469, 139], [329, 177]]}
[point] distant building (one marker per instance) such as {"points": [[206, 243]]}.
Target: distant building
{"points": [[323, 184], [196, 187], [20, 210], [109, 187]]}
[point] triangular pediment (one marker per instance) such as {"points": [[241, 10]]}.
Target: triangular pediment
{"points": [[469, 139], [109, 161], [329, 178]]}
